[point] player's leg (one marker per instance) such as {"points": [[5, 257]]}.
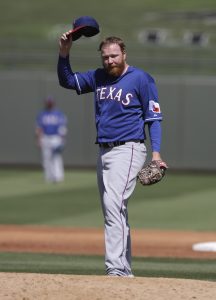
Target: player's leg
{"points": [[117, 171], [46, 150], [58, 167]]}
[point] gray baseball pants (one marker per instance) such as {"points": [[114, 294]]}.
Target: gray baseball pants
{"points": [[52, 162], [117, 170]]}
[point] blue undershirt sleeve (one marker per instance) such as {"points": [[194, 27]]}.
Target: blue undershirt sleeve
{"points": [[65, 74], [155, 135]]}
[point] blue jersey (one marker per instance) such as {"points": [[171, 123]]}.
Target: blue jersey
{"points": [[51, 122], [122, 105]]}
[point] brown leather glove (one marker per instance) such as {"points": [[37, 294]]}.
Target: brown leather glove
{"points": [[152, 173]]}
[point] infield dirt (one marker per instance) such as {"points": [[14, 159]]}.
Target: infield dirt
{"points": [[18, 286]]}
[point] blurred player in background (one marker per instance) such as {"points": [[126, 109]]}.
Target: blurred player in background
{"points": [[51, 129]]}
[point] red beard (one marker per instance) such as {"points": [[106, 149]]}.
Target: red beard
{"points": [[116, 70]]}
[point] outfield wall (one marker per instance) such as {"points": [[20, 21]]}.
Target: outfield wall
{"points": [[188, 104]]}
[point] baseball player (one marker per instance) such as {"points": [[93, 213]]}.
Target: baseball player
{"points": [[125, 99], [51, 129]]}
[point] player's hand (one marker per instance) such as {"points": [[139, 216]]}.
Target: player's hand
{"points": [[156, 157], [65, 43]]}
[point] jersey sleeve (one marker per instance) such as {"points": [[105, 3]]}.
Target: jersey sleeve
{"points": [[80, 82], [149, 98], [155, 135], [84, 82], [62, 119], [62, 127], [38, 122]]}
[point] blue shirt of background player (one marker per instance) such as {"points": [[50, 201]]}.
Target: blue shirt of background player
{"points": [[122, 105], [51, 121]]}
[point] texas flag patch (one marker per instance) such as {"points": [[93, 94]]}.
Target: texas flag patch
{"points": [[154, 106]]}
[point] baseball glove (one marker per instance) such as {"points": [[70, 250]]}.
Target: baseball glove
{"points": [[152, 173], [58, 149]]}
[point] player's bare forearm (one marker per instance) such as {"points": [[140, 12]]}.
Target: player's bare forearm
{"points": [[156, 155], [65, 43]]}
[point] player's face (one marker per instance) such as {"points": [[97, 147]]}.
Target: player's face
{"points": [[49, 105], [113, 59]]}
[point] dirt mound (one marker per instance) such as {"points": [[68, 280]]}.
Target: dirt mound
{"points": [[18, 286], [68, 287]]}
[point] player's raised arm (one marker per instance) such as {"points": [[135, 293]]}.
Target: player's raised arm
{"points": [[83, 26], [65, 73], [65, 43]]}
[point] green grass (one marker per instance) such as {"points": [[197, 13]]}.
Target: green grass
{"points": [[34, 27], [32, 201], [34, 18], [179, 202], [94, 265]]}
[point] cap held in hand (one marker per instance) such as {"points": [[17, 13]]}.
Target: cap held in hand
{"points": [[86, 26]]}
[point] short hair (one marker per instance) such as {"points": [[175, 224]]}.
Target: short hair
{"points": [[113, 40]]}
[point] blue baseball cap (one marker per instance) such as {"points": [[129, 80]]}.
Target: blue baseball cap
{"points": [[84, 25]]}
